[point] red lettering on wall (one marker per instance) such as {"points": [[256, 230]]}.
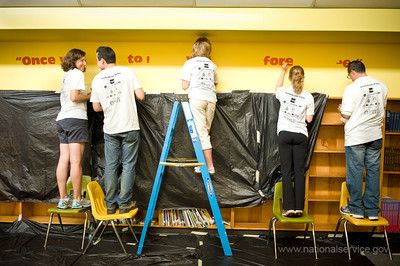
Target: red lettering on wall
{"points": [[346, 62], [137, 59], [26, 60], [268, 60]]}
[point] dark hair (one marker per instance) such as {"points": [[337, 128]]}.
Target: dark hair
{"points": [[296, 75], [107, 54], [70, 59], [357, 66]]}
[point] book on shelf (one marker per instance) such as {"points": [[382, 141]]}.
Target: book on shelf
{"points": [[392, 123], [195, 218], [391, 159], [390, 211]]}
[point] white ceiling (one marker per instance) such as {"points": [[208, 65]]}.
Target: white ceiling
{"points": [[205, 3]]}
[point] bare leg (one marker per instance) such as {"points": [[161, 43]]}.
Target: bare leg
{"points": [[62, 170], [208, 157], [76, 154]]}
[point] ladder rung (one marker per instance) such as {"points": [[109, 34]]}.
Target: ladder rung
{"points": [[181, 164], [185, 160]]}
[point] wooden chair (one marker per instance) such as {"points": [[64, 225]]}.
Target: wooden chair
{"points": [[54, 210], [277, 211], [344, 200], [99, 211]]}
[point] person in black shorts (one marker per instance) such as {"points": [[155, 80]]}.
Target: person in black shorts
{"points": [[72, 127]]}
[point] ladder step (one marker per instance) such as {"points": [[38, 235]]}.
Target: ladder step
{"points": [[181, 160], [178, 164]]}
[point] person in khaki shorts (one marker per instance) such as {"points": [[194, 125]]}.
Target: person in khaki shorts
{"points": [[199, 75]]}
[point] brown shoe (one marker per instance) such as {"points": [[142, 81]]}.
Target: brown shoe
{"points": [[130, 206]]}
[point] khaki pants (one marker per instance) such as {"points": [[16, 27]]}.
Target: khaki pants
{"points": [[203, 115]]}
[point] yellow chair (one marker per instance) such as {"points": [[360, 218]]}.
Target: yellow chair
{"points": [[85, 180], [344, 200], [276, 210], [99, 211]]}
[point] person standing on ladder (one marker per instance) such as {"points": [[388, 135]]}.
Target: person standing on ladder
{"points": [[114, 91], [199, 75]]}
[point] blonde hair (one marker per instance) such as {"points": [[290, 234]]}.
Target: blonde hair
{"points": [[296, 76], [201, 47]]}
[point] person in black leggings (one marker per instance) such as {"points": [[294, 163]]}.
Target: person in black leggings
{"points": [[296, 110]]}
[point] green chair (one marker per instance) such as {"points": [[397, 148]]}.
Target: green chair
{"points": [[54, 210], [276, 210]]}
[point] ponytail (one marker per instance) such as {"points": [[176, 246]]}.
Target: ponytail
{"points": [[296, 75]]}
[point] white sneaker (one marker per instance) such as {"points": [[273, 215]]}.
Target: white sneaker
{"points": [[197, 170], [83, 203], [373, 218]]}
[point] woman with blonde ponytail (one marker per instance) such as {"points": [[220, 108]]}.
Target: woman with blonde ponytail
{"points": [[296, 110]]}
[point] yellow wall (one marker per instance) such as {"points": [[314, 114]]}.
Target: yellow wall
{"points": [[321, 41]]}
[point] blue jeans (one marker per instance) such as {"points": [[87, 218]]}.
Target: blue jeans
{"points": [[358, 156], [127, 145]]}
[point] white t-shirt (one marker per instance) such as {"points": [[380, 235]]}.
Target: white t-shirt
{"points": [[294, 109], [73, 80], [201, 73], [114, 88], [364, 101]]}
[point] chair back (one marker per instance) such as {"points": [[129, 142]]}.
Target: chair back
{"points": [[345, 196], [96, 195], [85, 181], [278, 195]]}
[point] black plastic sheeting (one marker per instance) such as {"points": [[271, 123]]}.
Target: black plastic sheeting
{"points": [[243, 136], [22, 244]]}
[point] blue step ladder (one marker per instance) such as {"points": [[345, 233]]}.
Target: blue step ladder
{"points": [[183, 100]]}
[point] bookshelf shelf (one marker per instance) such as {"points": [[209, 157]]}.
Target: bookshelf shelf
{"points": [[392, 172]]}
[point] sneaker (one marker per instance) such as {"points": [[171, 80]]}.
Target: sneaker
{"points": [[373, 218], [298, 213], [64, 203], [83, 203], [131, 206], [345, 210], [197, 170], [288, 213]]}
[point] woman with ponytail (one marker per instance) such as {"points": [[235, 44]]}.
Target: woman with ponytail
{"points": [[296, 110]]}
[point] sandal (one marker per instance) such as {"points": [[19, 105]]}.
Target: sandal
{"points": [[211, 170]]}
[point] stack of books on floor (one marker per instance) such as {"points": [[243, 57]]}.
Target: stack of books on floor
{"points": [[392, 159], [186, 217], [390, 211], [392, 121]]}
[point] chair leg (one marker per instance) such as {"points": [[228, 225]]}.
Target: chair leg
{"points": [[92, 239], [84, 230], [104, 228], [269, 229], [347, 238], [59, 219], [273, 228], [48, 229], [315, 243], [116, 233], [130, 228], [305, 231], [337, 226], [387, 242]]}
